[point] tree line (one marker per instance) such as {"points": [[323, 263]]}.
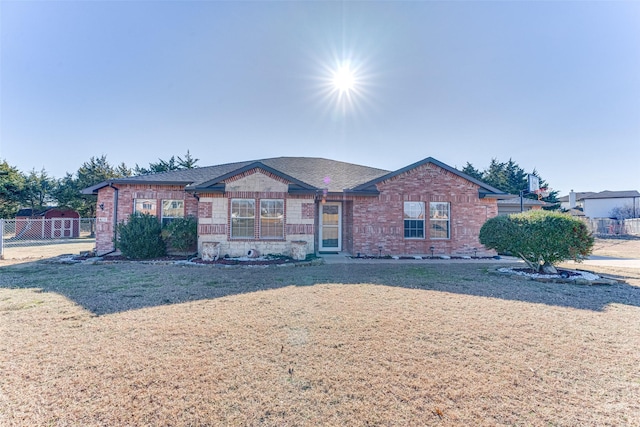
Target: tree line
{"points": [[509, 177], [37, 189]]}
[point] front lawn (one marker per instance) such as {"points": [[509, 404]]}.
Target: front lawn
{"points": [[388, 344]]}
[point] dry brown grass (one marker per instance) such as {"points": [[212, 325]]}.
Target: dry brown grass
{"points": [[622, 248], [326, 345]]}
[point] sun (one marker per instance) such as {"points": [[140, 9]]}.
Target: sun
{"points": [[344, 79], [344, 84]]}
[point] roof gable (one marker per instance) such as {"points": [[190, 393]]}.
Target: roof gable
{"points": [[218, 182], [485, 190]]}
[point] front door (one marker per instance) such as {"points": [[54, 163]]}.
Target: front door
{"points": [[330, 227]]}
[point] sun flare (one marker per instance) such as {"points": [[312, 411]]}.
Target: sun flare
{"points": [[344, 79]]}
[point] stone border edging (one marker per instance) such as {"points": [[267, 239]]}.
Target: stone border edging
{"points": [[600, 281]]}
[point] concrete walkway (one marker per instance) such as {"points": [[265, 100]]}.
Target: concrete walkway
{"points": [[612, 262], [345, 258]]}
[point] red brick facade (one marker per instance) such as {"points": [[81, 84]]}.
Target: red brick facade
{"points": [[377, 224], [126, 195], [371, 224]]}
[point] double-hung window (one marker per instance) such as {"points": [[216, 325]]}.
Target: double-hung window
{"points": [[243, 217], [271, 219], [172, 209], [439, 220], [413, 220], [145, 206]]}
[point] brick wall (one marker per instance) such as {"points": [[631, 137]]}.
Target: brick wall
{"points": [[378, 221], [126, 196]]}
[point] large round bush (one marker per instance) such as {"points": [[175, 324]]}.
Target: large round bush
{"points": [[538, 237], [140, 238]]}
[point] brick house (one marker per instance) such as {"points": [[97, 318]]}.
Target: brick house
{"points": [[326, 205]]}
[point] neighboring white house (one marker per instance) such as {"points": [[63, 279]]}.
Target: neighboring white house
{"points": [[599, 205]]}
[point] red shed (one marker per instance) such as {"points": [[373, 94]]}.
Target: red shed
{"points": [[51, 223]]}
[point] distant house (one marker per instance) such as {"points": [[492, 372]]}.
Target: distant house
{"points": [[512, 205], [50, 223], [599, 205], [270, 205]]}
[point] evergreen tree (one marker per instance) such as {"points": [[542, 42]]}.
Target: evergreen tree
{"points": [[168, 165], [38, 190], [508, 177], [472, 171], [11, 190], [96, 170]]}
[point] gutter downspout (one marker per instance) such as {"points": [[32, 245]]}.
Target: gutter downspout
{"points": [[115, 218]]}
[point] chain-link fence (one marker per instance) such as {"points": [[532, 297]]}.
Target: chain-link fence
{"points": [[613, 227], [40, 237]]}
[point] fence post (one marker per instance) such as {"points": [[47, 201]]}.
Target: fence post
{"points": [[1, 238]]}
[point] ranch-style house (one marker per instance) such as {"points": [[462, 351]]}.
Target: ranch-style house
{"points": [[270, 205]]}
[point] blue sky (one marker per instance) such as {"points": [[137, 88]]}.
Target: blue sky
{"points": [[553, 85]]}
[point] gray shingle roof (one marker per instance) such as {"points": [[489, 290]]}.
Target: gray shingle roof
{"points": [[525, 201], [311, 171], [602, 195], [612, 195], [308, 173]]}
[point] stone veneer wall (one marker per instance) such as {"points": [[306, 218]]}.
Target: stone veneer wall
{"points": [[214, 225], [215, 221]]}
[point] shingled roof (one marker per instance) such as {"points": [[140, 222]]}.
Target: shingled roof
{"points": [[602, 195], [309, 172], [305, 173]]}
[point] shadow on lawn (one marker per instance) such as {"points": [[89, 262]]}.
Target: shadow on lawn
{"points": [[105, 289]]}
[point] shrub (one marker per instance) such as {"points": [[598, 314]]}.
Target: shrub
{"points": [[181, 234], [139, 238], [540, 238]]}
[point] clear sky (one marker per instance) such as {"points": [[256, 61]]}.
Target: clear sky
{"points": [[554, 85]]}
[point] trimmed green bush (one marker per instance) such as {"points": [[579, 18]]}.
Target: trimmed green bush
{"points": [[181, 234], [540, 238], [140, 237]]}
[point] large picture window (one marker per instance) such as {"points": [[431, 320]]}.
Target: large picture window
{"points": [[414, 220], [439, 217], [172, 209], [271, 219], [243, 216], [146, 206]]}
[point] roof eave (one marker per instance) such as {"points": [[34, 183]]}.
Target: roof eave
{"points": [[497, 196], [438, 163]]}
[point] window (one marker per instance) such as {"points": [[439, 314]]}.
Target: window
{"points": [[172, 209], [146, 206], [439, 220], [414, 220], [271, 219], [243, 218]]}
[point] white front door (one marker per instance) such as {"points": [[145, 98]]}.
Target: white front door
{"points": [[330, 227]]}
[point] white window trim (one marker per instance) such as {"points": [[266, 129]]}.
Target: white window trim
{"points": [[163, 217], [143, 199], [260, 220], [253, 236], [439, 220], [424, 224]]}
